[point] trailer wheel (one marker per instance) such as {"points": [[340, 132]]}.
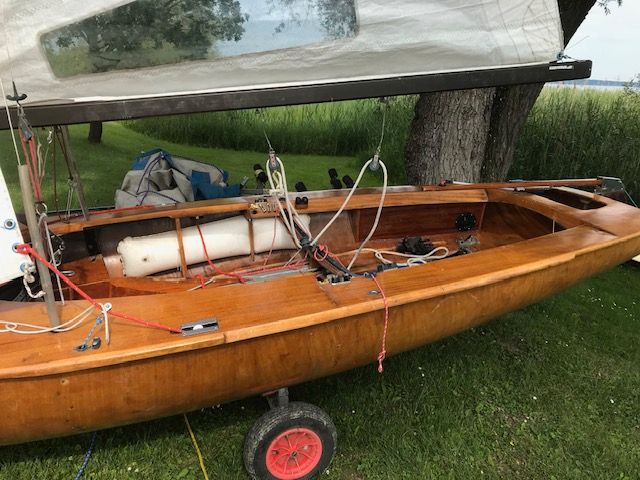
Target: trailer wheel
{"points": [[293, 442]]}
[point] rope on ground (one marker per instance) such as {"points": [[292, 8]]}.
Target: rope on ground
{"points": [[195, 444], [87, 457]]}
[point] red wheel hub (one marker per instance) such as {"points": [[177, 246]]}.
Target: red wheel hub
{"points": [[294, 453]]}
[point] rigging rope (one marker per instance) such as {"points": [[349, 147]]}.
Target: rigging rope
{"points": [[27, 250], [213, 265], [383, 347], [16, 327], [42, 220], [412, 259]]}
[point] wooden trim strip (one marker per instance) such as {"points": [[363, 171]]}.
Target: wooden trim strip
{"points": [[183, 258], [317, 203], [576, 182]]}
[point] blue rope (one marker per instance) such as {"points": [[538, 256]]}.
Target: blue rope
{"points": [[85, 344], [87, 456]]}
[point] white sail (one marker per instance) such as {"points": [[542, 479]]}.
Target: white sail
{"points": [[10, 236], [260, 43]]}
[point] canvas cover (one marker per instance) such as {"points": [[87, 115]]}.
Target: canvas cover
{"points": [[159, 178], [77, 50]]}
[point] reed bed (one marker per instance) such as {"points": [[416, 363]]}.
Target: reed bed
{"points": [[582, 133], [351, 128], [570, 133]]}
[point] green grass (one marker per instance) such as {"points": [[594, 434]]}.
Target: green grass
{"points": [[342, 128], [102, 167], [551, 391]]}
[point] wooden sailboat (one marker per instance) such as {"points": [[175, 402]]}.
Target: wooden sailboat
{"points": [[288, 325], [199, 303]]}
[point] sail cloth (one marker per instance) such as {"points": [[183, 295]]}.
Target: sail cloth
{"points": [[159, 178], [75, 50]]}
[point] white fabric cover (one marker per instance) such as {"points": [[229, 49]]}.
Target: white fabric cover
{"points": [[402, 37], [224, 238]]}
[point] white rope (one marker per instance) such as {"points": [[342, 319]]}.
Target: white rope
{"points": [[412, 259], [344, 204], [105, 307], [25, 281], [42, 158], [278, 184], [18, 327], [378, 214]]}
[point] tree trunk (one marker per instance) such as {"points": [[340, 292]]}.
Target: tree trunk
{"points": [[509, 112], [471, 135], [448, 136], [95, 132]]}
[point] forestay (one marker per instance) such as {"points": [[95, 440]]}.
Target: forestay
{"points": [[76, 51]]}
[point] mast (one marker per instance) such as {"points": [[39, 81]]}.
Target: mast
{"points": [[36, 240]]}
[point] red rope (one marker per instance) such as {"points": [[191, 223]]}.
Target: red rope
{"points": [[212, 265], [273, 241], [383, 350], [291, 266], [322, 248], [201, 278], [27, 250]]}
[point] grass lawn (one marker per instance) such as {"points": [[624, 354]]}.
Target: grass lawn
{"points": [[102, 167], [551, 391]]}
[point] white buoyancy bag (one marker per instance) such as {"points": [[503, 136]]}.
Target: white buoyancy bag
{"points": [[223, 238]]}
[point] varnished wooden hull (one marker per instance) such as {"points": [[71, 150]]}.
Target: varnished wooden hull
{"points": [[305, 330]]}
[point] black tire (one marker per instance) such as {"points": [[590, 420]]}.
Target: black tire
{"points": [[279, 420]]}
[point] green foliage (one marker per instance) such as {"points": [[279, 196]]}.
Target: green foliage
{"points": [[341, 128], [157, 32], [581, 133]]}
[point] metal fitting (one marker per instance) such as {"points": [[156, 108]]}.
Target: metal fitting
{"points": [[9, 224]]}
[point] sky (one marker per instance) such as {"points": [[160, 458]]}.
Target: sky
{"points": [[260, 30], [612, 41]]}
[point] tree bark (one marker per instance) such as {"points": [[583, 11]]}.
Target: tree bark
{"points": [[95, 132], [471, 135], [509, 112], [448, 136]]}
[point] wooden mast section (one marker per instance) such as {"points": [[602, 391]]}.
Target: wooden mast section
{"points": [[36, 238]]}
